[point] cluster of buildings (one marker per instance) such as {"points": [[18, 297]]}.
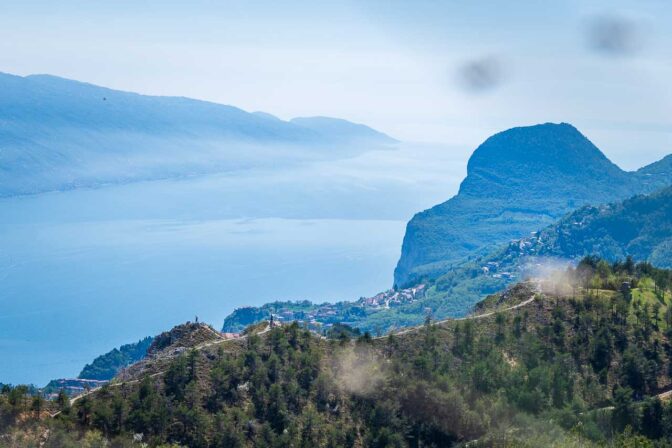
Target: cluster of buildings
{"points": [[393, 297], [492, 268], [313, 318], [325, 315], [517, 248]]}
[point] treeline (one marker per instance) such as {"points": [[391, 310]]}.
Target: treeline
{"points": [[595, 273]]}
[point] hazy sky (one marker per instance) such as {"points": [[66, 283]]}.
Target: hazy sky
{"points": [[451, 71]]}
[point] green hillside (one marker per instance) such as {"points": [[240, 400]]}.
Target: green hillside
{"points": [[574, 361], [640, 227], [105, 367]]}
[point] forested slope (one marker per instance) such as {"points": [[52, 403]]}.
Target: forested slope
{"points": [[578, 365]]}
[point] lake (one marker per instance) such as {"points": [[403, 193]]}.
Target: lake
{"points": [[84, 271], [78, 278]]}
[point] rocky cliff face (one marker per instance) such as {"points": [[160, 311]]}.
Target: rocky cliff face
{"points": [[517, 181]]}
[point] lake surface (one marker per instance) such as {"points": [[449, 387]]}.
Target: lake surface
{"points": [[84, 271], [75, 284]]}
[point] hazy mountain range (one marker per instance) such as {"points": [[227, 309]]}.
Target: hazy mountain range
{"points": [[57, 133]]}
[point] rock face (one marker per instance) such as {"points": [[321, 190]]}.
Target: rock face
{"points": [[181, 337], [518, 181]]}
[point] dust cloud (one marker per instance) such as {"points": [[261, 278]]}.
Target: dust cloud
{"points": [[550, 275], [359, 370]]}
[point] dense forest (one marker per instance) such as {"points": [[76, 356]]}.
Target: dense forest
{"points": [[578, 359]]}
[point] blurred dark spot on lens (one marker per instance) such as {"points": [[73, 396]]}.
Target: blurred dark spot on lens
{"points": [[481, 75], [614, 36]]}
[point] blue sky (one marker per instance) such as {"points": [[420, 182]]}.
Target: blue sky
{"points": [[396, 65]]}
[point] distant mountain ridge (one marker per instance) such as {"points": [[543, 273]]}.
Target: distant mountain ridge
{"points": [[337, 127], [656, 175], [57, 133], [518, 181]]}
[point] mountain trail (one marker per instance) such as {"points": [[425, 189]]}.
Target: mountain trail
{"points": [[476, 317], [199, 347]]}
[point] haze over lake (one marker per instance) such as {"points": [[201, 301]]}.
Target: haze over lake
{"points": [[84, 271]]}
